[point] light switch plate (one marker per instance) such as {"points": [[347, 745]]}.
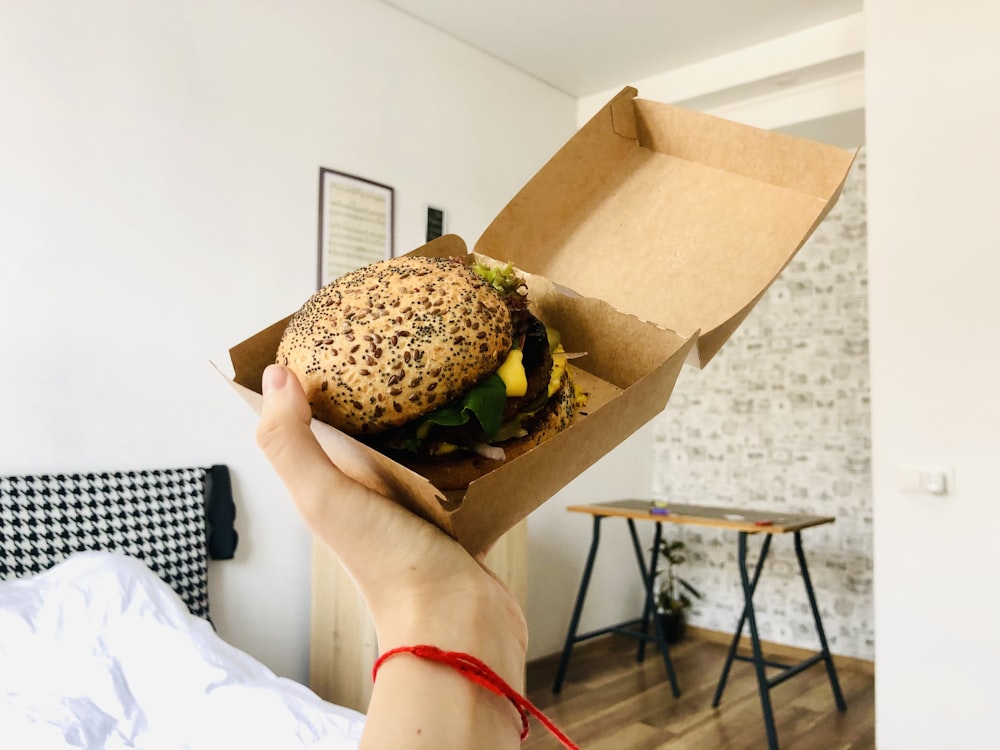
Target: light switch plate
{"points": [[930, 480]]}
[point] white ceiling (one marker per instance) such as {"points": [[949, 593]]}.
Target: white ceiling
{"points": [[583, 47]]}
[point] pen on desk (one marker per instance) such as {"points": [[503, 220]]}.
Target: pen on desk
{"points": [[763, 523], [659, 511]]}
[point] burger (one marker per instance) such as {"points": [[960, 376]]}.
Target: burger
{"points": [[436, 362]]}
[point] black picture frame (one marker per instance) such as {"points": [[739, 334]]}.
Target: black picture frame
{"points": [[356, 223]]}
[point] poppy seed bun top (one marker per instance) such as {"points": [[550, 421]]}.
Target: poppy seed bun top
{"points": [[387, 343]]}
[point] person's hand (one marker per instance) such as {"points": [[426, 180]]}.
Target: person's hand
{"points": [[420, 585]]}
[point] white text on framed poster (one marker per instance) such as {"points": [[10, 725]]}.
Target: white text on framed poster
{"points": [[355, 223]]}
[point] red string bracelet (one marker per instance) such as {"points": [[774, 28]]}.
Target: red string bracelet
{"points": [[475, 670]]}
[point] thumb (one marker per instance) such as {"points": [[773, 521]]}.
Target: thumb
{"points": [[285, 438]]}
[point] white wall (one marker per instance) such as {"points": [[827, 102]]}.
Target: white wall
{"points": [[933, 74], [158, 196]]}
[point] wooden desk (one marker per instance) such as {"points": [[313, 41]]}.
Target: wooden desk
{"points": [[745, 523]]}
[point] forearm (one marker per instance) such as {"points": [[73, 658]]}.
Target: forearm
{"points": [[421, 587]]}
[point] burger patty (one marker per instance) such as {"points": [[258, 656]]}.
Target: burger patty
{"points": [[455, 471], [537, 362]]}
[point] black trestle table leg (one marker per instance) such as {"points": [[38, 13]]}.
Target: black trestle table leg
{"points": [[648, 579], [649, 608], [831, 671], [748, 616], [747, 602], [581, 595]]}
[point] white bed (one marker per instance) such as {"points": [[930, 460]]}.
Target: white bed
{"points": [[98, 652], [106, 639]]}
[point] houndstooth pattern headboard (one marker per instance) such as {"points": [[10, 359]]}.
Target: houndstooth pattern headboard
{"points": [[171, 519]]}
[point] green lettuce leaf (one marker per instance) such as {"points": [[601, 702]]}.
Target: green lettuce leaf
{"points": [[485, 401], [502, 278]]}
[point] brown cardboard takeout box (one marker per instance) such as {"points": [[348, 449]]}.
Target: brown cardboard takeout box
{"points": [[648, 238]]}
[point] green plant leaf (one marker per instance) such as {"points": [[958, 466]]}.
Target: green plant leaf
{"points": [[689, 587]]}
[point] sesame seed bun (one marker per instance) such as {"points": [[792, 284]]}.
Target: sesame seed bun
{"points": [[392, 341]]}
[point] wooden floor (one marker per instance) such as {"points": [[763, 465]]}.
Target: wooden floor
{"points": [[611, 702]]}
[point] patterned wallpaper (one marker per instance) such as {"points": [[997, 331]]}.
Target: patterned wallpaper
{"points": [[779, 420]]}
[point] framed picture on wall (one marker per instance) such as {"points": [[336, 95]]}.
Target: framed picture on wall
{"points": [[355, 223]]}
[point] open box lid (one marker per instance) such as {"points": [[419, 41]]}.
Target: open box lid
{"points": [[650, 205]]}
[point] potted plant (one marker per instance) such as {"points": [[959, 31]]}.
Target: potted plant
{"points": [[673, 598]]}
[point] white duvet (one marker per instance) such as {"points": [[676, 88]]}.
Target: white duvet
{"points": [[98, 652]]}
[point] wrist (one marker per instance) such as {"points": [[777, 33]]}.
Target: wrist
{"points": [[484, 624], [479, 710], [435, 703]]}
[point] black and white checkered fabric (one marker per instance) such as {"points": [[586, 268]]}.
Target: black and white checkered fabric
{"points": [[157, 516]]}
